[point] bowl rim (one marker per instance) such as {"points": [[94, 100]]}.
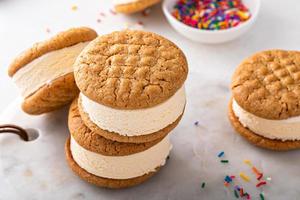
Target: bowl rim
{"points": [[233, 29]]}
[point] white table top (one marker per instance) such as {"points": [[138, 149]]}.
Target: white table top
{"points": [[211, 66]]}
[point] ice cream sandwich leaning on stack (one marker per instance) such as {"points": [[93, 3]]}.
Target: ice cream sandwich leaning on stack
{"points": [[132, 96], [265, 105], [44, 72]]}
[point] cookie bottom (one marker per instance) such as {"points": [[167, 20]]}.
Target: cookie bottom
{"points": [[53, 96], [258, 140], [99, 181], [135, 6], [121, 138]]}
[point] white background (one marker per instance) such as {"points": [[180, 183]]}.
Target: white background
{"points": [[193, 158]]}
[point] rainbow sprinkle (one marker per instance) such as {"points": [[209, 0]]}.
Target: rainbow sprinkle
{"points": [[74, 8], [241, 192], [261, 195], [244, 177], [261, 183], [236, 194], [248, 162], [228, 180], [224, 161], [211, 14], [221, 154], [203, 185]]}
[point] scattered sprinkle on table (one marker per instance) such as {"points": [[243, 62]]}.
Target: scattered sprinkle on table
{"points": [[248, 162], [211, 14], [203, 185], [261, 183], [236, 194], [228, 179], [196, 123], [244, 177], [221, 154], [224, 161], [241, 192], [261, 195], [269, 178], [259, 175], [74, 7], [48, 30]]}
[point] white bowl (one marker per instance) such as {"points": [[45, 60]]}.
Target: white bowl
{"points": [[211, 36]]}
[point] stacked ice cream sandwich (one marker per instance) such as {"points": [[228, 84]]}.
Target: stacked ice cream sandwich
{"points": [[131, 96]]}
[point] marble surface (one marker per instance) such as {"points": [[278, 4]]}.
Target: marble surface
{"points": [[37, 169]]}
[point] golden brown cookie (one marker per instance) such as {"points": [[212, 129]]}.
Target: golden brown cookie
{"points": [[47, 99], [267, 84], [62, 89], [130, 69], [134, 6], [121, 138], [98, 144], [99, 181], [258, 140]]}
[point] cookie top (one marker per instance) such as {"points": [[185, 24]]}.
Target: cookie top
{"points": [[267, 84], [61, 40], [98, 144], [130, 69]]}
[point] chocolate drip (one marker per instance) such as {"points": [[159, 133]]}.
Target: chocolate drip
{"points": [[10, 128]]}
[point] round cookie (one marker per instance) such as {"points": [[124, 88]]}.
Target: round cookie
{"points": [[128, 7], [59, 91], [98, 144], [99, 181], [258, 140], [130, 70], [267, 84]]}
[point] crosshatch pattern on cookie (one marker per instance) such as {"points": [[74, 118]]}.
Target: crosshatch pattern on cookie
{"points": [[268, 84], [130, 69]]}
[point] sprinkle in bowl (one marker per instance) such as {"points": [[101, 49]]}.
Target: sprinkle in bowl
{"points": [[211, 36]]}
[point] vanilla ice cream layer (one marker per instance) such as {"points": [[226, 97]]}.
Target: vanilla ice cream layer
{"points": [[120, 2], [46, 68], [286, 129], [135, 122], [122, 167]]}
